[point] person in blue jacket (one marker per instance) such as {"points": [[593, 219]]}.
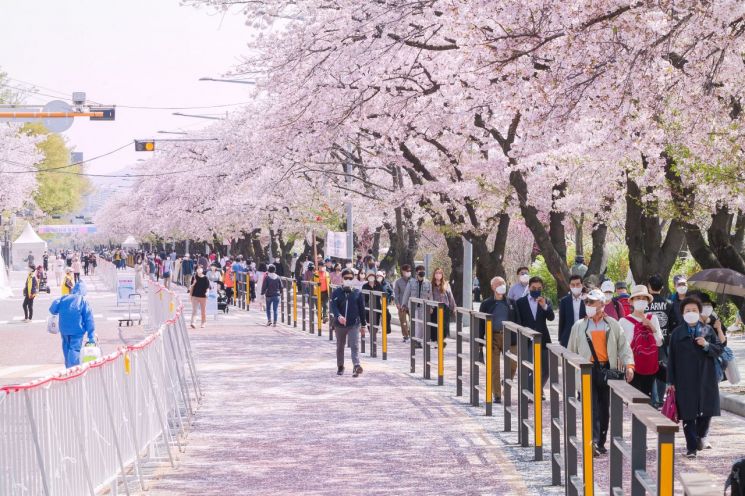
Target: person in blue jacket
{"points": [[75, 321], [348, 309]]}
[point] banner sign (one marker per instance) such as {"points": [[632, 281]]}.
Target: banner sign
{"points": [[336, 244], [68, 229], [125, 286]]}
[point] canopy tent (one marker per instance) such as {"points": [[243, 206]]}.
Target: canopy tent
{"points": [[28, 242], [130, 242]]}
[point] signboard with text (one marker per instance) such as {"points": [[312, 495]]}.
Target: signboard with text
{"points": [[336, 244]]}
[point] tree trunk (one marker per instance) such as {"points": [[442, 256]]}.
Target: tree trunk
{"points": [[579, 241], [490, 263]]}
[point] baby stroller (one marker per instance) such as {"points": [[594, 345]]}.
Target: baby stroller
{"points": [[222, 298], [43, 286]]}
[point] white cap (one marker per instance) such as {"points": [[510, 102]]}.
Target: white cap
{"points": [[595, 295], [607, 287]]}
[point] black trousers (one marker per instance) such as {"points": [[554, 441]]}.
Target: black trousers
{"points": [[644, 383], [28, 307], [445, 324], [694, 430], [600, 411]]}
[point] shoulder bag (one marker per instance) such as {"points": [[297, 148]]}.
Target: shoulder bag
{"points": [[602, 374]]}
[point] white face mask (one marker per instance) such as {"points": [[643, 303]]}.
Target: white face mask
{"points": [[682, 290], [406, 274], [501, 289], [524, 278], [576, 291], [591, 311], [347, 283], [707, 310], [371, 280], [640, 305], [380, 278], [691, 317], [608, 297]]}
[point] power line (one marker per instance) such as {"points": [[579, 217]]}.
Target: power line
{"points": [[63, 166]]}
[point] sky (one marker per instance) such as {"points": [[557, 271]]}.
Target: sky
{"points": [[126, 53]]}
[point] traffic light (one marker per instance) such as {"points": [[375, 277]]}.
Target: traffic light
{"points": [[144, 145], [109, 113]]}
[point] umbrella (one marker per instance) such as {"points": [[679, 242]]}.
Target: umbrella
{"points": [[720, 281]]}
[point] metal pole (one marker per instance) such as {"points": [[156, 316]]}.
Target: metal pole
{"points": [[467, 274], [428, 265], [350, 217]]}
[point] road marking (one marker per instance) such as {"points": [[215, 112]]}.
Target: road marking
{"points": [[41, 370]]}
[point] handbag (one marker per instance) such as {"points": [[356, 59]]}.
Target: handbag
{"points": [[732, 372], [53, 324], [602, 374], [670, 407]]}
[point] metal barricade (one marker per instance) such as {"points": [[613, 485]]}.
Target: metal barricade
{"points": [[477, 361], [564, 389], [311, 300], [643, 417], [93, 427], [332, 320], [420, 311], [528, 360], [286, 299]]}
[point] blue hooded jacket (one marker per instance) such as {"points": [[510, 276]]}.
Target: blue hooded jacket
{"points": [[75, 315]]}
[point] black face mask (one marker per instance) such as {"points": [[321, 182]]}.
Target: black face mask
{"points": [[420, 274]]}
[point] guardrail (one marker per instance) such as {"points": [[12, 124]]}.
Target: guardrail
{"points": [[529, 384], [94, 426], [474, 359], [420, 311]]}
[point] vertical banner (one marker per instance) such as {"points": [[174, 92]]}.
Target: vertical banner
{"points": [[125, 286], [336, 244]]}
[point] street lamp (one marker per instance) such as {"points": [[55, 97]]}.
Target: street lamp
{"points": [[172, 132], [219, 80]]}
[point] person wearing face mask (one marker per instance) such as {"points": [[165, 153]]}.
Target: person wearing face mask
{"points": [[348, 311], [691, 373], [372, 284], [675, 316], [660, 308], [644, 335], [600, 339], [532, 311], [198, 288], [612, 307], [520, 288], [622, 297], [335, 276], [399, 287], [323, 279], [388, 290], [271, 289], [571, 309], [500, 310], [441, 293], [418, 287]]}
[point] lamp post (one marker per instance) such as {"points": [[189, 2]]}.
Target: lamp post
{"points": [[220, 80]]}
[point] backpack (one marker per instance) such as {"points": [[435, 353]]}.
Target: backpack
{"points": [[628, 308], [736, 478], [646, 358]]}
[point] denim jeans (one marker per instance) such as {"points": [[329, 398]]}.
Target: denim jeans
{"points": [[353, 334], [272, 302]]}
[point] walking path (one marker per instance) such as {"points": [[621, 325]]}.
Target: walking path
{"points": [[276, 419]]}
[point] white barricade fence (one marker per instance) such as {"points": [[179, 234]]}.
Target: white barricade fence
{"points": [[102, 425], [107, 272]]}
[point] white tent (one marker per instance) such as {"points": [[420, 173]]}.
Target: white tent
{"points": [[27, 242], [130, 242]]}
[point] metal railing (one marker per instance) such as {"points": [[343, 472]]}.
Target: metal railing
{"points": [[420, 311], [287, 300], [376, 303], [529, 366], [476, 361], [94, 427], [310, 292], [643, 417], [563, 390]]}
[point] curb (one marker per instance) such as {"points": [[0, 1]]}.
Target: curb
{"points": [[733, 403]]}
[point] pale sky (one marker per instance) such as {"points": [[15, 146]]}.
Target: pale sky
{"points": [[133, 52]]}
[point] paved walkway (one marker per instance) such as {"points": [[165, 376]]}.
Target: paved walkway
{"points": [[277, 420]]}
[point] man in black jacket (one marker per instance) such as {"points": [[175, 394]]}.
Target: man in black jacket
{"points": [[571, 309], [348, 309], [532, 311], [500, 310]]}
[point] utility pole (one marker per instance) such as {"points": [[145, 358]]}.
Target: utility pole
{"points": [[350, 217], [467, 274]]}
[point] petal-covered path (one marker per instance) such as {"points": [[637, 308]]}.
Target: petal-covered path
{"points": [[277, 420]]}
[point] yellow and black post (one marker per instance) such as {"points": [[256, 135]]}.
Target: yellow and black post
{"points": [[384, 320], [538, 398], [318, 305], [440, 347], [294, 303], [587, 452], [488, 358]]}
